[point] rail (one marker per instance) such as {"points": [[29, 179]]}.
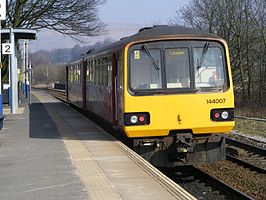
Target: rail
{"points": [[251, 118], [191, 177]]}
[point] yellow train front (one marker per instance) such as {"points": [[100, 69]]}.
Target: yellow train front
{"points": [[175, 96]]}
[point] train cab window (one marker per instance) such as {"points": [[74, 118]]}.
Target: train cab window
{"points": [[145, 69], [177, 68], [209, 67]]}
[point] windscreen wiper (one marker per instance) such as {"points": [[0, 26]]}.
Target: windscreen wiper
{"points": [[202, 57], [151, 57]]}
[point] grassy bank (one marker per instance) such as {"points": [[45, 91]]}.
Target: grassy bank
{"points": [[251, 127]]}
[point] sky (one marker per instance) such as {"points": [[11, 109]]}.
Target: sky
{"points": [[123, 18], [140, 11]]}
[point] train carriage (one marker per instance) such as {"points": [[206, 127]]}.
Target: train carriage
{"points": [[167, 88]]}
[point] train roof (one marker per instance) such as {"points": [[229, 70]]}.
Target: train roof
{"points": [[161, 31]]}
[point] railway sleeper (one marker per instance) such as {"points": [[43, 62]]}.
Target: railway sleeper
{"points": [[181, 149]]}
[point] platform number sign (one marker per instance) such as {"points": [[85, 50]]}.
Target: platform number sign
{"points": [[7, 48], [2, 9]]}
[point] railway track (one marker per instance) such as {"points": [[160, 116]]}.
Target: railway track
{"points": [[203, 185], [247, 155], [59, 94]]}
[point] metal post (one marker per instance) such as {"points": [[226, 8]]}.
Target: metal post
{"points": [[13, 75], [0, 58], [26, 67], [23, 67], [30, 80]]}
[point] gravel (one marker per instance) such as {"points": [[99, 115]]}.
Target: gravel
{"points": [[249, 182]]}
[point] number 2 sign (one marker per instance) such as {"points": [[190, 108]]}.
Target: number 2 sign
{"points": [[7, 48]]}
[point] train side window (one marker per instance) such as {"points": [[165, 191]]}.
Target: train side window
{"points": [[109, 71], [93, 73], [105, 78], [71, 74], [97, 75], [78, 73], [77, 78], [88, 71], [75, 74], [90, 79], [100, 74]]}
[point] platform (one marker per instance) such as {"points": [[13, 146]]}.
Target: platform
{"points": [[50, 151]]}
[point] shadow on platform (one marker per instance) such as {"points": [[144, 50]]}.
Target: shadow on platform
{"points": [[43, 126]]}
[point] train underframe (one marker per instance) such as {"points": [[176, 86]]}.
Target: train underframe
{"points": [[181, 149]]}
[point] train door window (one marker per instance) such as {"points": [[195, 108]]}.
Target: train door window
{"points": [[177, 68], [145, 69], [120, 70], [209, 67]]}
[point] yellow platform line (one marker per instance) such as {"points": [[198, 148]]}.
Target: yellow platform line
{"points": [[95, 181]]}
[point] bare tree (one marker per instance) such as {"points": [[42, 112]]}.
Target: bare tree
{"points": [[71, 17], [47, 74], [242, 24]]}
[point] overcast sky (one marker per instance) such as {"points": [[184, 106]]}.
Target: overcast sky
{"points": [[123, 18]]}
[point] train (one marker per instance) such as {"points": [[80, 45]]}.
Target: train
{"points": [[167, 89]]}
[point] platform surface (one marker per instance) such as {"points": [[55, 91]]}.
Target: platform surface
{"points": [[50, 151]]}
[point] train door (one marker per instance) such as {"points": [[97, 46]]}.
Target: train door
{"points": [[117, 95], [120, 89], [114, 89], [84, 81], [67, 79]]}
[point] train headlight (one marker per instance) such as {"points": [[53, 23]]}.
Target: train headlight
{"points": [[222, 114], [133, 119], [225, 114]]}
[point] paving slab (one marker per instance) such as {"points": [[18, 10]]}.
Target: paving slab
{"points": [[34, 162]]}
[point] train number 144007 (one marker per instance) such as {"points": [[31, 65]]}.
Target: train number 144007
{"points": [[216, 101]]}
